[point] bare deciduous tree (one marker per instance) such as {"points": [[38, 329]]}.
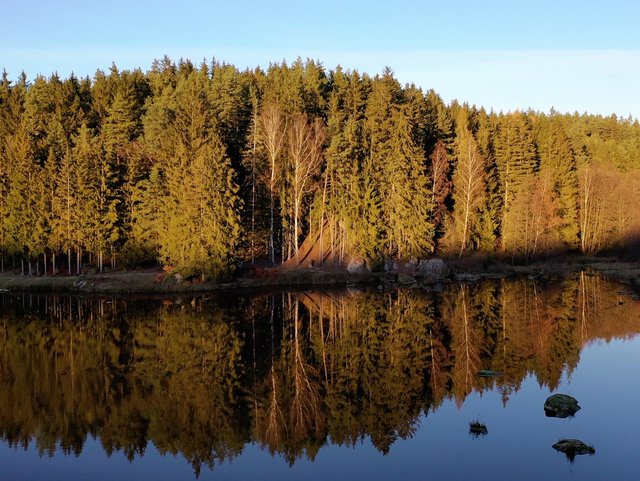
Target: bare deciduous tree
{"points": [[305, 154], [272, 133]]}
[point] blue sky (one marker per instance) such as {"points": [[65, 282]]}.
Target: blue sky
{"points": [[572, 55]]}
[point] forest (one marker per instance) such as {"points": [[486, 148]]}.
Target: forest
{"points": [[289, 372], [204, 168]]}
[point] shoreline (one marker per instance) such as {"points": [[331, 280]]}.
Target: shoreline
{"points": [[464, 270]]}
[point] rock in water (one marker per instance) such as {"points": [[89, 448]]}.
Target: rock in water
{"points": [[405, 278], [476, 428], [560, 406], [466, 277], [573, 447]]}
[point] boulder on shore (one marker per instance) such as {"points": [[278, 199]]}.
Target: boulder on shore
{"points": [[573, 447], [391, 265], [357, 264], [560, 406], [433, 269]]}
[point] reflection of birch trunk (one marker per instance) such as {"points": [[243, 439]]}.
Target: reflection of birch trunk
{"points": [[589, 290], [464, 345], [467, 340], [276, 427], [306, 415]]}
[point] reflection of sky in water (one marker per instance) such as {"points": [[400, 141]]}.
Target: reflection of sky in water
{"points": [[518, 446]]}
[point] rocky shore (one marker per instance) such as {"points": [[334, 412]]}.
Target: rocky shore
{"points": [[419, 274]]}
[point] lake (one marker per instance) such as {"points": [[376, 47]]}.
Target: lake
{"points": [[321, 384]]}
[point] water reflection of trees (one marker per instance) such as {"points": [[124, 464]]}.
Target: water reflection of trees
{"points": [[290, 372]]}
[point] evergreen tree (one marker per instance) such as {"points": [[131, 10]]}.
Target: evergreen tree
{"points": [[558, 163], [22, 196], [65, 215], [406, 195], [515, 157]]}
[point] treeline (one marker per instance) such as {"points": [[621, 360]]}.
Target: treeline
{"points": [[289, 372], [203, 167]]}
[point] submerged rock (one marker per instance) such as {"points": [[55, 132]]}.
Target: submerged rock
{"points": [[561, 406], [573, 447]]}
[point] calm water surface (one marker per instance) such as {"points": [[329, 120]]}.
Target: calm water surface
{"points": [[321, 384]]}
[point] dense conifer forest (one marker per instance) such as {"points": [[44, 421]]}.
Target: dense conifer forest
{"points": [[204, 168]]}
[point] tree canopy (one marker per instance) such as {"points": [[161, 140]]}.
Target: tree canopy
{"points": [[200, 168]]}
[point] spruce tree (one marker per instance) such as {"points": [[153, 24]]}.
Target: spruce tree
{"points": [[516, 159], [557, 162]]}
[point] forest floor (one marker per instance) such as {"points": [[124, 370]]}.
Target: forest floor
{"points": [[468, 269]]}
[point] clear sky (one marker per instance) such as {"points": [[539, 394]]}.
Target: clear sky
{"points": [[501, 54]]}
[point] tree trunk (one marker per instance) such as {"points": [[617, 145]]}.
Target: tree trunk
{"points": [[272, 254], [295, 232], [44, 255], [53, 264], [324, 200], [69, 262], [78, 260]]}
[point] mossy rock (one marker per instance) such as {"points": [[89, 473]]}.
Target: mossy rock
{"points": [[561, 406], [573, 448]]}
